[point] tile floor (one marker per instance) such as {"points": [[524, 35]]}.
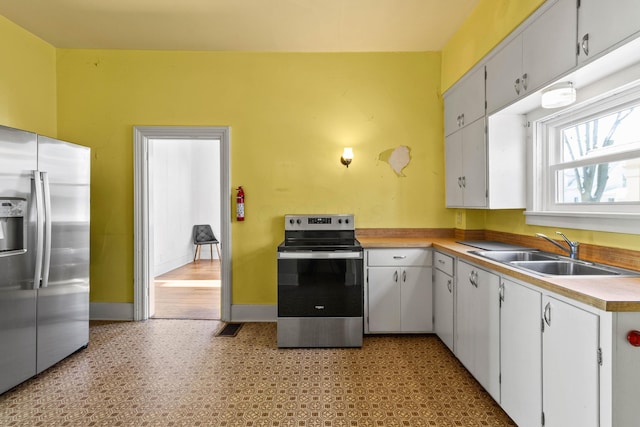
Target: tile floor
{"points": [[178, 373]]}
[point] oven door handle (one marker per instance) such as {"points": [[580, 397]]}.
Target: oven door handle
{"points": [[320, 255]]}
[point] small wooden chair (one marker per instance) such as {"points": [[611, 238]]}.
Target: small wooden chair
{"points": [[203, 235]]}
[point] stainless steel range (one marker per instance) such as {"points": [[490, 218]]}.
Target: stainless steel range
{"points": [[320, 282]]}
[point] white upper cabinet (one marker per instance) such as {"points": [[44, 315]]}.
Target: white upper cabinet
{"points": [[542, 52], [604, 23], [464, 104], [466, 167]]}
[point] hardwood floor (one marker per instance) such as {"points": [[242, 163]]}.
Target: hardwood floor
{"points": [[189, 292]]}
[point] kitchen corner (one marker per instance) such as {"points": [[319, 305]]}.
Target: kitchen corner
{"points": [[565, 345]]}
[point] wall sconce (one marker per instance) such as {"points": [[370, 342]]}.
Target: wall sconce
{"points": [[347, 156], [558, 95]]}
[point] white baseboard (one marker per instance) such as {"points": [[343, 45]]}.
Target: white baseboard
{"points": [[239, 312], [254, 313], [110, 311]]}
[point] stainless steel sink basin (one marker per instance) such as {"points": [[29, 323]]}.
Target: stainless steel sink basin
{"points": [[549, 264], [510, 256], [566, 268]]}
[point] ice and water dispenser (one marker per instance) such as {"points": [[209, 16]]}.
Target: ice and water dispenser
{"points": [[13, 212]]}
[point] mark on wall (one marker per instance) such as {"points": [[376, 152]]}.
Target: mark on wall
{"points": [[398, 158]]}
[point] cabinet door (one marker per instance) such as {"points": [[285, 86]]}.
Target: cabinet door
{"points": [[443, 307], [520, 353], [487, 332], [416, 299], [453, 170], [602, 24], [504, 74], [384, 299], [464, 104], [548, 44], [465, 318], [474, 161], [477, 325], [570, 365]]}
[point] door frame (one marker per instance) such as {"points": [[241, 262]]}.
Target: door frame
{"points": [[143, 268]]}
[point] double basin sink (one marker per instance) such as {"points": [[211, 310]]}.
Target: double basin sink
{"points": [[549, 264]]}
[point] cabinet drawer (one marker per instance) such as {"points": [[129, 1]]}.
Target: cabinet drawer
{"points": [[443, 263], [399, 257]]}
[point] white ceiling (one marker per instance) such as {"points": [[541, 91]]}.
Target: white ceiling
{"points": [[242, 25]]}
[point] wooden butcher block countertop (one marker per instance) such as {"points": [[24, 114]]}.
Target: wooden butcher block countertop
{"points": [[605, 293]]}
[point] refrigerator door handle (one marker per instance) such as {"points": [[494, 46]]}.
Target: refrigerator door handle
{"points": [[37, 181], [47, 229]]}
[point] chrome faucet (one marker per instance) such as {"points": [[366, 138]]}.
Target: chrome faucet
{"points": [[573, 246]]}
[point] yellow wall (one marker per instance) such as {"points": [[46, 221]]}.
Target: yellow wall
{"points": [[290, 117], [489, 23], [27, 80]]}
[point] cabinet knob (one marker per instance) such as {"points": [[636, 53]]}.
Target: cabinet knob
{"points": [[634, 338]]}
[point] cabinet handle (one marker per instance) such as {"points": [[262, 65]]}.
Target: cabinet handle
{"points": [[462, 119], [441, 261], [399, 256], [395, 276], [516, 86], [585, 44], [547, 314], [458, 120], [473, 278], [449, 285], [404, 275], [464, 182], [524, 81]]}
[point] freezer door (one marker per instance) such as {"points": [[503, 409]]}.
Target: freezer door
{"points": [[63, 298], [17, 294]]}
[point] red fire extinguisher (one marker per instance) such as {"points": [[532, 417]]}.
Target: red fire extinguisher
{"points": [[240, 204]]}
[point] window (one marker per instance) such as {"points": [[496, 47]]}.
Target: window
{"points": [[587, 166]]}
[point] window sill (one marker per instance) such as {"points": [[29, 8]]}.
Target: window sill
{"points": [[614, 223]]}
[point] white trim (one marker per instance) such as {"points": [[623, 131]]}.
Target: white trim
{"points": [[610, 222], [254, 313], [111, 311], [142, 266]]}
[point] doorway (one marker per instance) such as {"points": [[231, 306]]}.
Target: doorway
{"points": [[163, 222], [184, 190]]}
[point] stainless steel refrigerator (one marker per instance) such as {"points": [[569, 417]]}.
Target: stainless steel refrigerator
{"points": [[44, 253]]}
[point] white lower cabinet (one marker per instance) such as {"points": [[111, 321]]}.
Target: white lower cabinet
{"points": [[571, 369], [520, 353], [399, 291], [443, 286], [477, 323]]}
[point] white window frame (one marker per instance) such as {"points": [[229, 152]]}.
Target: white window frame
{"points": [[542, 208]]}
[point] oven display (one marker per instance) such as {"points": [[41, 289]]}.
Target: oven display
{"points": [[319, 220]]}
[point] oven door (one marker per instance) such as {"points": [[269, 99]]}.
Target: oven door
{"points": [[320, 283]]}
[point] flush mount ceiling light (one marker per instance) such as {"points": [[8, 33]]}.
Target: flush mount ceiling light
{"points": [[558, 95], [347, 156]]}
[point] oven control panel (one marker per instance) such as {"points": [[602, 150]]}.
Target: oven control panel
{"points": [[319, 222]]}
